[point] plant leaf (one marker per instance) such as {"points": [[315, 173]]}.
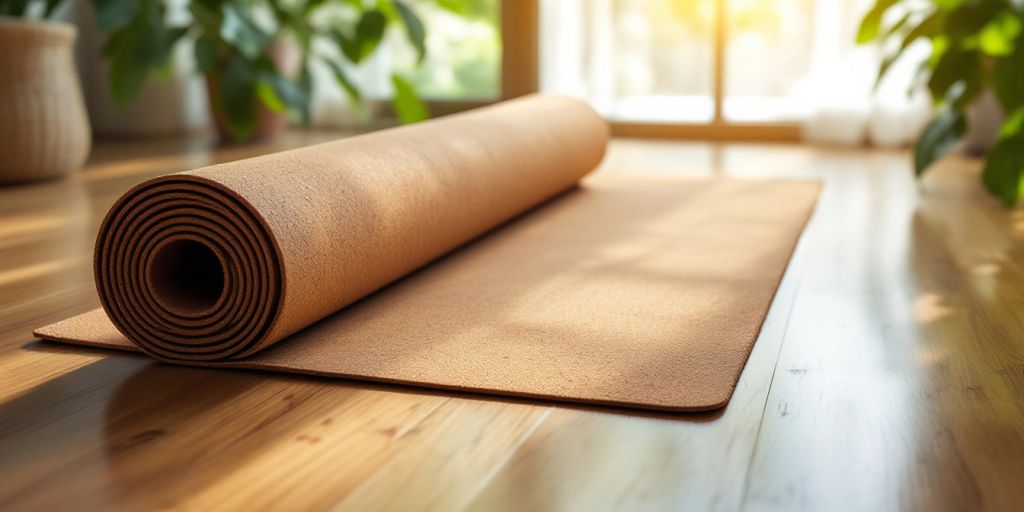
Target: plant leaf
{"points": [[171, 36], [938, 138], [269, 98], [1013, 125], [236, 98], [125, 78], [930, 26], [1003, 174], [998, 36], [15, 8], [968, 19], [459, 7], [926, 26], [369, 32], [111, 14], [355, 4], [883, 68], [413, 28], [948, 5], [406, 103], [205, 50], [239, 30], [293, 96], [344, 81], [956, 66], [305, 83], [896, 27], [871, 24], [311, 5], [137, 48], [348, 46], [51, 5], [1008, 79], [207, 14], [940, 45]]}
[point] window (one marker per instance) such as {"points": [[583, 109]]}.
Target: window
{"points": [[740, 66], [462, 68], [463, 51], [767, 57], [635, 60], [742, 69]]}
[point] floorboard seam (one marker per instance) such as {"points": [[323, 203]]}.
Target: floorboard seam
{"points": [[486, 480], [771, 382]]}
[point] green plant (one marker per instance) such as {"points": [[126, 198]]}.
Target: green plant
{"points": [[233, 39], [24, 8], [975, 45]]}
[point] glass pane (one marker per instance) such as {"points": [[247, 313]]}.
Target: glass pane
{"points": [[768, 54], [463, 59], [463, 50], [634, 60]]}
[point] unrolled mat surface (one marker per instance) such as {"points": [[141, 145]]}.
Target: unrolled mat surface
{"points": [[464, 253]]}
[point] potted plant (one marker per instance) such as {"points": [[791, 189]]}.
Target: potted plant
{"points": [[977, 46], [44, 129], [256, 54]]}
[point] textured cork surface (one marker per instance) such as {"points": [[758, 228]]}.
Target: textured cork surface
{"points": [[625, 290]]}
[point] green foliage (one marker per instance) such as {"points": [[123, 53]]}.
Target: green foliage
{"points": [[114, 14], [22, 8], [1004, 169], [367, 35], [238, 30], [344, 81], [236, 96], [997, 36], [872, 22], [1008, 79], [136, 40], [413, 28], [406, 104], [472, 57], [233, 41], [975, 44], [205, 51], [938, 138], [470, 8]]}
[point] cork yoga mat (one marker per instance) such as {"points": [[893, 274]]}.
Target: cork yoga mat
{"points": [[469, 253]]}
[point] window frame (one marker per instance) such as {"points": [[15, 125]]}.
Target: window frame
{"points": [[520, 65]]}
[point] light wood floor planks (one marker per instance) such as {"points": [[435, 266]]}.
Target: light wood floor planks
{"points": [[889, 374]]}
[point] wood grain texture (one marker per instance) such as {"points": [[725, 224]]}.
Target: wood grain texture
{"points": [[889, 374]]}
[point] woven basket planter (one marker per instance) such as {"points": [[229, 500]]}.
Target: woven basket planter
{"points": [[44, 129]]}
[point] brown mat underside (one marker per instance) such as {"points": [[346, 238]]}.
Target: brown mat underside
{"points": [[638, 291]]}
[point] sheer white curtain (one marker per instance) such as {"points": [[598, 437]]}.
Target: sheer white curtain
{"points": [[846, 108], [652, 61], [633, 59]]}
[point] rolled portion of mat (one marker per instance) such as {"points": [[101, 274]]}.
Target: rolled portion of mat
{"points": [[223, 261]]}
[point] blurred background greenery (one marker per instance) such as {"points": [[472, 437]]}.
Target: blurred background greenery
{"points": [[784, 70]]}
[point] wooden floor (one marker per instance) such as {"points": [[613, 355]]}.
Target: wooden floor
{"points": [[889, 374]]}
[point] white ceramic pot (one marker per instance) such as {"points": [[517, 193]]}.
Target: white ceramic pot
{"points": [[44, 129]]}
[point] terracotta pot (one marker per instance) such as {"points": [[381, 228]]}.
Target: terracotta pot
{"points": [[268, 123], [984, 118], [44, 129]]}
